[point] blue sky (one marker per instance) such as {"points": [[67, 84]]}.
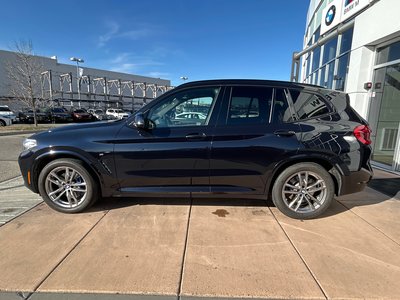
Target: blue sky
{"points": [[200, 39]]}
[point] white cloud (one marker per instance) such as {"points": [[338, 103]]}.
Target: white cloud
{"points": [[114, 31], [125, 68], [157, 74]]}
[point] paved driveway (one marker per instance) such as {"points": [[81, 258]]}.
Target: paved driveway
{"points": [[155, 248], [10, 147]]}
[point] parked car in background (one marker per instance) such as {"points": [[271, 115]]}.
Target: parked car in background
{"points": [[27, 116], [6, 111], [59, 115], [117, 113], [81, 115], [5, 120], [100, 115], [295, 143]]}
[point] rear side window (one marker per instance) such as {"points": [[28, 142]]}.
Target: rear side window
{"points": [[308, 105], [249, 105], [4, 109], [281, 112]]}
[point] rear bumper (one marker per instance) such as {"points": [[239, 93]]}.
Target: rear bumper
{"points": [[355, 182]]}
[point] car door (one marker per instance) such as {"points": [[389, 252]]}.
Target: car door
{"points": [[171, 155], [254, 132]]}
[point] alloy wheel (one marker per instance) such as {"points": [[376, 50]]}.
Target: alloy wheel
{"points": [[66, 187], [304, 192]]}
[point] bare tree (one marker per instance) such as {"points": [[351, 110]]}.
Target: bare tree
{"points": [[24, 75]]}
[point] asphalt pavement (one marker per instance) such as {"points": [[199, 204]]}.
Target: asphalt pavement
{"points": [[10, 148]]}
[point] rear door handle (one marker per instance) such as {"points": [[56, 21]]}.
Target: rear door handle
{"points": [[196, 136], [284, 132]]}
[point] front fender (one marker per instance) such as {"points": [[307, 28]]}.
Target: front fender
{"points": [[98, 171]]}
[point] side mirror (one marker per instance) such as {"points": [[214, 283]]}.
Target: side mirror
{"points": [[139, 121]]}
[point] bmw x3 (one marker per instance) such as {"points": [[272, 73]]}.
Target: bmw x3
{"points": [[297, 144]]}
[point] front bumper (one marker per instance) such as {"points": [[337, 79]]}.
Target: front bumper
{"points": [[25, 161]]}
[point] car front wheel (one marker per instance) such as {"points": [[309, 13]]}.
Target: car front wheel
{"points": [[66, 186], [303, 191]]}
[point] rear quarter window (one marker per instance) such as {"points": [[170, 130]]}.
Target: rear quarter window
{"points": [[308, 105]]}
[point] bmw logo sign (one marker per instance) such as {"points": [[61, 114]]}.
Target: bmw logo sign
{"points": [[330, 15]]}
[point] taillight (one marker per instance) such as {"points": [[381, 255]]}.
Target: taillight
{"points": [[363, 134]]}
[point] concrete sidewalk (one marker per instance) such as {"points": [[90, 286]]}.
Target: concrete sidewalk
{"points": [[183, 248]]}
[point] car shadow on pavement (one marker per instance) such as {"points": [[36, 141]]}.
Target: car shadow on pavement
{"points": [[387, 186], [117, 203], [343, 203]]}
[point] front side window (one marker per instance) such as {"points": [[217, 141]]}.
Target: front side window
{"points": [[249, 105], [187, 108], [308, 105]]}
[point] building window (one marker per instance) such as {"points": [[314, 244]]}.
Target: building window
{"points": [[331, 69], [316, 58], [347, 38], [322, 77], [317, 34], [307, 65], [329, 50], [342, 70], [315, 78], [388, 53]]}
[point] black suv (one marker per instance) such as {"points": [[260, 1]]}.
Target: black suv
{"points": [[297, 143]]}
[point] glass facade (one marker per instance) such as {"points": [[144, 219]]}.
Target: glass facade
{"points": [[329, 62], [342, 68], [327, 65], [388, 53]]}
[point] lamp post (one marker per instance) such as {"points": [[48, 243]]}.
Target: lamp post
{"points": [[78, 81]]}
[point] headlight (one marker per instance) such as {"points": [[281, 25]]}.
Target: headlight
{"points": [[29, 143]]}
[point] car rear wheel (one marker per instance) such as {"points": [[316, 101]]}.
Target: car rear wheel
{"points": [[303, 191], [66, 186], [2, 123]]}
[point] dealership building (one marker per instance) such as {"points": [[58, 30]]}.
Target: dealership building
{"points": [[354, 46], [70, 85]]}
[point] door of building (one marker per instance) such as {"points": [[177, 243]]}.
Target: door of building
{"points": [[385, 116]]}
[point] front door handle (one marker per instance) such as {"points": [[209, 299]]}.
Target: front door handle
{"points": [[196, 136], [284, 132]]}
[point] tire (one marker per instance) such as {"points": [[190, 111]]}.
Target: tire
{"points": [[2, 123], [66, 186], [299, 198]]}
